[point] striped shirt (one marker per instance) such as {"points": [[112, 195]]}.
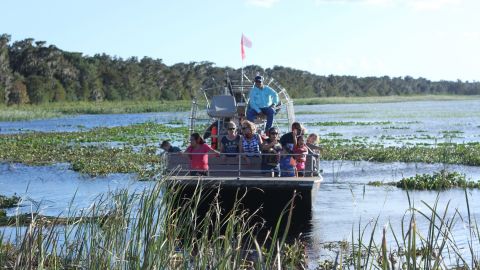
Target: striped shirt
{"points": [[251, 147]]}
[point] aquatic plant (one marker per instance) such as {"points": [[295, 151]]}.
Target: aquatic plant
{"points": [[155, 228], [446, 153], [411, 247], [347, 123], [437, 181]]}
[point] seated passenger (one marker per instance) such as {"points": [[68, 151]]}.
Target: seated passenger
{"points": [[262, 99], [168, 148], [290, 138], [197, 152], [230, 144], [251, 141], [287, 162], [271, 149], [300, 150]]}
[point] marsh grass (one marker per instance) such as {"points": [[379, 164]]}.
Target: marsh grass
{"points": [[382, 99], [50, 110], [156, 228], [410, 246]]}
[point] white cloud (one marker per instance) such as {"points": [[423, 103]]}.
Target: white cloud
{"points": [[262, 3]]}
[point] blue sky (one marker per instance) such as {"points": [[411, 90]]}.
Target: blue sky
{"points": [[434, 39]]}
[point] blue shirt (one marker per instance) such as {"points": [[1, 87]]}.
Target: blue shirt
{"points": [[262, 98]]}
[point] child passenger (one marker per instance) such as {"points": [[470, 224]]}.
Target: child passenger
{"points": [[271, 149], [300, 150], [198, 154], [312, 141], [287, 162]]}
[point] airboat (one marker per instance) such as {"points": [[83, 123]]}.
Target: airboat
{"points": [[230, 176]]}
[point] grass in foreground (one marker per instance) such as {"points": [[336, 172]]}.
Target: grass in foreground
{"points": [[153, 229], [157, 228]]}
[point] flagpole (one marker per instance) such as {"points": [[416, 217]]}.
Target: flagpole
{"points": [[243, 64]]}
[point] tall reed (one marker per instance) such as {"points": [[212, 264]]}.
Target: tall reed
{"points": [[431, 247], [156, 228]]}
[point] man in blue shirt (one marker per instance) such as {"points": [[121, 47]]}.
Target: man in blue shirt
{"points": [[262, 99]]}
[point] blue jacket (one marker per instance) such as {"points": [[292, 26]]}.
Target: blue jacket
{"points": [[262, 98]]}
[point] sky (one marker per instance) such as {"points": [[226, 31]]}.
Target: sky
{"points": [[433, 39]]}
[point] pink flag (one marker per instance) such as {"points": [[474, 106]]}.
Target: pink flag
{"points": [[245, 42]]}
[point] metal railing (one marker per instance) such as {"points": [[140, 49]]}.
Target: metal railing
{"points": [[242, 164]]}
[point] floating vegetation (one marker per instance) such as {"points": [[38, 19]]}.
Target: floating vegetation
{"points": [[452, 133], [447, 153], [348, 123], [334, 134], [176, 122], [437, 181], [395, 127], [47, 148], [381, 183], [441, 180], [330, 112]]}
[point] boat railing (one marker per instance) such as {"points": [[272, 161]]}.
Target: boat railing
{"points": [[242, 164]]}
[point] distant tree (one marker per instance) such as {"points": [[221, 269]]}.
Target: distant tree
{"points": [[59, 93], [18, 94], [54, 75], [6, 75], [40, 89]]}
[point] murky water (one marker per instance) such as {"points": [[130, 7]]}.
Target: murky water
{"points": [[343, 199]]}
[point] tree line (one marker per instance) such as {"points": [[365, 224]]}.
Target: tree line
{"points": [[32, 72]]}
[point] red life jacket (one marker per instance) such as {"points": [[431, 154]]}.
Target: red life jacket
{"points": [[214, 137]]}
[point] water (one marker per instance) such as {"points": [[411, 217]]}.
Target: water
{"points": [[50, 190], [86, 122], [343, 200], [411, 122]]}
